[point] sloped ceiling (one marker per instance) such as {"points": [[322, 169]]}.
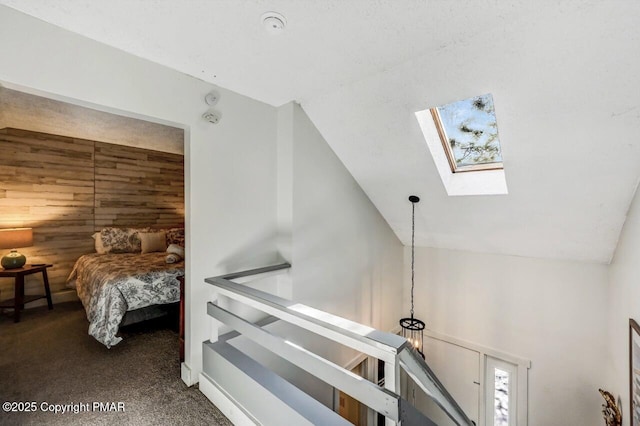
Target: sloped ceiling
{"points": [[564, 76]]}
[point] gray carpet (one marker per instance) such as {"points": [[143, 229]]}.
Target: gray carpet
{"points": [[49, 357]]}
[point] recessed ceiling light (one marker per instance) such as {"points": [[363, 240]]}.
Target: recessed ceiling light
{"points": [[274, 22]]}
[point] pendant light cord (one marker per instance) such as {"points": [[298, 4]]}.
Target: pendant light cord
{"points": [[413, 233]]}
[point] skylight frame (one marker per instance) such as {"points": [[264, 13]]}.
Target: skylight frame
{"points": [[444, 139], [484, 182]]}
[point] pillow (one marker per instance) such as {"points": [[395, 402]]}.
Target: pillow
{"points": [[173, 258], [176, 253], [98, 243], [175, 236], [121, 240], [176, 249], [152, 241]]}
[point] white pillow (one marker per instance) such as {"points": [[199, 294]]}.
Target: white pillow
{"points": [[98, 243], [173, 258], [176, 249]]}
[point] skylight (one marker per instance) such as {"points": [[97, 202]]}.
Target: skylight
{"points": [[468, 131], [463, 137]]}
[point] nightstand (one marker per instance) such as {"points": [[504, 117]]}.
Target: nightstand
{"points": [[19, 299]]}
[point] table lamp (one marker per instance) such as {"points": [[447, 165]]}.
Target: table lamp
{"points": [[15, 238]]}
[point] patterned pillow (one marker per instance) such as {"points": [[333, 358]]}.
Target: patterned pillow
{"points": [[175, 236], [121, 240]]}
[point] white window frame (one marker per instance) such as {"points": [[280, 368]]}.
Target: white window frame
{"points": [[491, 364]]}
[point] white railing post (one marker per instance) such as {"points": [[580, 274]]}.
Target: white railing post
{"points": [[392, 382]]}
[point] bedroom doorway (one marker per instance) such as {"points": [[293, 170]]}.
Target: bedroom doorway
{"points": [[101, 169]]}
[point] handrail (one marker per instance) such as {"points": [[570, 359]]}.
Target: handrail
{"points": [[424, 377], [256, 271], [368, 393], [381, 345], [387, 347]]}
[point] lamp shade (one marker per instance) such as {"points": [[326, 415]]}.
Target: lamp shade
{"points": [[15, 238]]}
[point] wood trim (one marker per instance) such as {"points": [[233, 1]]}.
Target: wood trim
{"points": [[443, 138]]}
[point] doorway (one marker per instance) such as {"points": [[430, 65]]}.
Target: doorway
{"points": [[350, 408]]}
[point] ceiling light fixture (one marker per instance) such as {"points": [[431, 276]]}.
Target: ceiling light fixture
{"points": [[413, 328], [274, 22]]}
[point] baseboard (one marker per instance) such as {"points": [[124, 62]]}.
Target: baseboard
{"points": [[224, 403]]}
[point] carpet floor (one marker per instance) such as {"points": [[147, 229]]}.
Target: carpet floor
{"points": [[48, 358]]}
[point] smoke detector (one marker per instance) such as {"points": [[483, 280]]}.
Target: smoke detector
{"points": [[212, 98], [274, 22], [212, 116]]}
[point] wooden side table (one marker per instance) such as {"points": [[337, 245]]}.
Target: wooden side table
{"points": [[19, 299]]}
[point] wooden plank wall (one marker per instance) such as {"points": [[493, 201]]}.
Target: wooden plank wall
{"points": [[67, 188], [138, 187]]}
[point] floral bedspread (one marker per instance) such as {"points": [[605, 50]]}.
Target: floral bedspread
{"points": [[111, 284]]}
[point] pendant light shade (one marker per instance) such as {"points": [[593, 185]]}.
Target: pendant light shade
{"points": [[413, 328]]}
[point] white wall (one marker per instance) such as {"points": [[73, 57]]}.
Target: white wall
{"points": [[346, 259], [550, 312], [230, 168], [624, 303]]}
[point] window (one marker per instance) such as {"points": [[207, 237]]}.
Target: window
{"points": [[501, 397], [468, 130], [500, 392], [476, 150]]}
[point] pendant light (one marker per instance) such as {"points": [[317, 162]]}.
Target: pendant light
{"points": [[413, 328]]}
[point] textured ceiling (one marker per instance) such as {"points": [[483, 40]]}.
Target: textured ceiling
{"points": [[563, 75]]}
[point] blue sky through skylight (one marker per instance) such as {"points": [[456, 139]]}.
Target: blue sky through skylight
{"points": [[472, 131]]}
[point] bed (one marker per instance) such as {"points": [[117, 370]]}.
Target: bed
{"points": [[113, 286]]}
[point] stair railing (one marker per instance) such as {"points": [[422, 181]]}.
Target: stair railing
{"points": [[390, 348]]}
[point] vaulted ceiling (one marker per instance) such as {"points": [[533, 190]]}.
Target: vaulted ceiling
{"points": [[563, 74]]}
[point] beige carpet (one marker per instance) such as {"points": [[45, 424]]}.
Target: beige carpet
{"points": [[49, 358]]}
